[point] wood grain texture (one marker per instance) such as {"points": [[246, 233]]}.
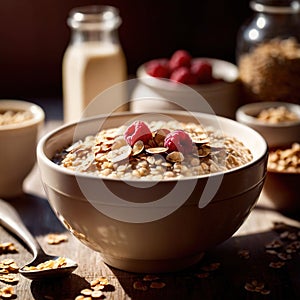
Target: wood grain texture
{"points": [[226, 282]]}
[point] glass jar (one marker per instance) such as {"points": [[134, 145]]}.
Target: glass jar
{"points": [[268, 52], [93, 63]]}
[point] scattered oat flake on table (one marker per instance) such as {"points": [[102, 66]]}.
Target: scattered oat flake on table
{"points": [[139, 285], [202, 275], [275, 244], [95, 290], [56, 238], [8, 271], [157, 285], [150, 277], [211, 267], [244, 253], [276, 264], [8, 247], [7, 292], [256, 286]]}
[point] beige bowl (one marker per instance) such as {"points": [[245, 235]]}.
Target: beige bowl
{"points": [[18, 145], [277, 135], [221, 98], [147, 226], [282, 189]]}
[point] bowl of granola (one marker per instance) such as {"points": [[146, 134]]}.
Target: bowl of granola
{"points": [[283, 177], [203, 84], [20, 122], [152, 192], [277, 122]]}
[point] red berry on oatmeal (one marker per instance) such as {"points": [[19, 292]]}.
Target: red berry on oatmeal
{"points": [[138, 130], [179, 140]]}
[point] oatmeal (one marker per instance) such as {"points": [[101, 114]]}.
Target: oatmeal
{"points": [[277, 115], [9, 117], [158, 150], [285, 160]]}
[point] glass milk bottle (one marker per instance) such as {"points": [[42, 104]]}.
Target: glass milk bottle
{"points": [[93, 63]]}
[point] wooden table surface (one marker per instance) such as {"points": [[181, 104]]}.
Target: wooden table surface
{"points": [[228, 281]]}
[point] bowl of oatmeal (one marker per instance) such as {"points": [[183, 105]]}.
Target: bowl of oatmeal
{"points": [[20, 122], [283, 177], [152, 192], [277, 122]]}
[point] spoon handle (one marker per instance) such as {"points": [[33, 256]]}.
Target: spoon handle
{"points": [[10, 219]]}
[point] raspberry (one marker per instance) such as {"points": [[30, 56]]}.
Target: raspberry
{"points": [[178, 140], [138, 130], [180, 58], [158, 68], [203, 70], [183, 75]]}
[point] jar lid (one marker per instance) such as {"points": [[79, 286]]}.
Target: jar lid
{"points": [[276, 6], [93, 17]]}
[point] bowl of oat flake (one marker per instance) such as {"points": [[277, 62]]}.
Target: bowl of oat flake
{"points": [[277, 122], [152, 192], [283, 177], [20, 122]]}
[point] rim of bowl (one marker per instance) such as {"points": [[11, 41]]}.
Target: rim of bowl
{"points": [[166, 84], [42, 156], [38, 114], [283, 172], [247, 113]]}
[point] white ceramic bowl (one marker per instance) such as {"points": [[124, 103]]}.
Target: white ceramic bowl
{"points": [[18, 146], [147, 226], [221, 97], [277, 135]]}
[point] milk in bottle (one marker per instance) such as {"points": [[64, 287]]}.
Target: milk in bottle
{"points": [[93, 62]]}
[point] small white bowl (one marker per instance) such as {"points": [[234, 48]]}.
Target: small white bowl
{"points": [[18, 144], [277, 135], [220, 98]]}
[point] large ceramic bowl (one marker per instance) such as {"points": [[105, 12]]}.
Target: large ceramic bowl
{"points": [[148, 226], [19, 129], [221, 97]]}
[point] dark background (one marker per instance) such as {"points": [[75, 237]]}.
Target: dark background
{"points": [[34, 35]]}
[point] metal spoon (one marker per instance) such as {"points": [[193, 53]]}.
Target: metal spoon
{"points": [[10, 219]]}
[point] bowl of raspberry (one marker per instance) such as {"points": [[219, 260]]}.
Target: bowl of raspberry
{"points": [[183, 82], [152, 192]]}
